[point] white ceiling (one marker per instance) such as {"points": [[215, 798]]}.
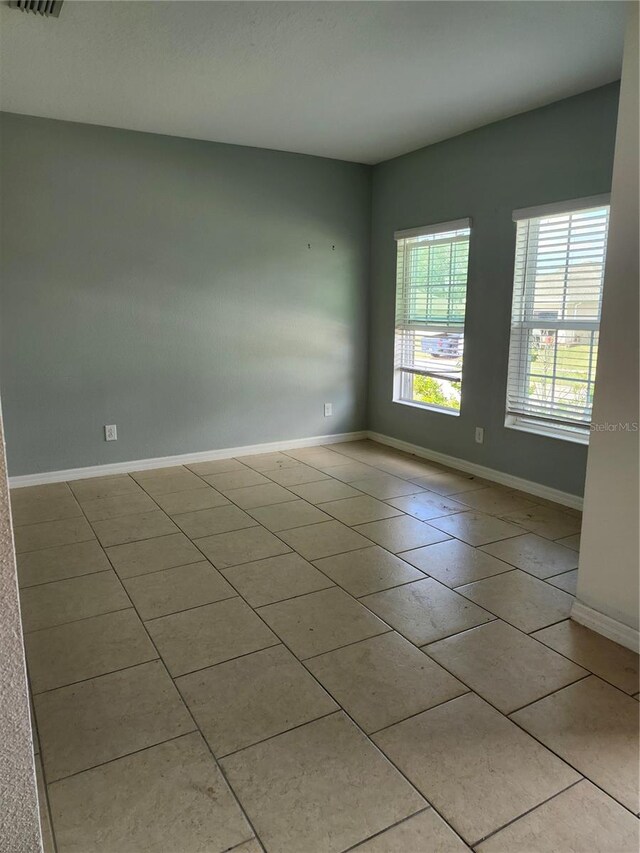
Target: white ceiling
{"points": [[361, 81]]}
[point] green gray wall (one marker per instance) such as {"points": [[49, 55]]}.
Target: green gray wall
{"points": [[166, 285], [559, 152]]}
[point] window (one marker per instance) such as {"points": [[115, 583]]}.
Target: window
{"points": [[431, 289], [557, 296]]}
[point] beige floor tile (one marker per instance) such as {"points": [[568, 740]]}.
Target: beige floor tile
{"points": [[284, 516], [172, 590], [570, 541], [612, 662], [579, 819], [351, 471], [86, 724], [504, 666], [520, 599], [299, 792], [547, 522], [48, 844], [359, 510], [296, 475], [241, 546], [495, 500], [423, 833], [133, 528], [427, 505], [170, 797], [63, 561], [162, 484], [449, 482], [49, 491], [117, 505], [86, 648], [321, 621], [268, 461], [236, 479], [276, 579], [568, 581], [49, 534], [401, 534], [94, 488], [151, 555], [368, 570], [190, 500], [317, 456], [205, 636], [454, 563], [383, 680], [250, 497], [156, 473], [251, 846], [476, 528], [208, 522], [67, 600], [243, 701], [322, 540], [534, 554], [473, 765], [594, 727], [384, 486], [324, 491], [216, 466], [27, 509], [425, 611]]}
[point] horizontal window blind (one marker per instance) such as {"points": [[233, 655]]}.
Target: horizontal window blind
{"points": [[557, 298], [431, 285]]}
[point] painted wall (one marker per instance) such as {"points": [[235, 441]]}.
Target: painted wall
{"points": [[559, 152], [166, 285], [608, 574], [19, 819]]}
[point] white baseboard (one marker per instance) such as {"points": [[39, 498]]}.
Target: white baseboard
{"points": [[529, 486], [182, 459], [537, 489], [605, 625]]}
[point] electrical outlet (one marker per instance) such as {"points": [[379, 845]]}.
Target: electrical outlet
{"points": [[110, 432], [479, 435], [328, 410]]}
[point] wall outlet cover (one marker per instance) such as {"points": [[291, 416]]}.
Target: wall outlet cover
{"points": [[110, 432], [328, 410]]}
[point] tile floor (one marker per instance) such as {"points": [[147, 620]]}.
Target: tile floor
{"points": [[329, 649]]}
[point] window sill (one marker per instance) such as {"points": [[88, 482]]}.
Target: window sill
{"points": [[425, 407], [548, 431]]}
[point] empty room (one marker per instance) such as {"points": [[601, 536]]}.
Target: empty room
{"points": [[319, 426]]}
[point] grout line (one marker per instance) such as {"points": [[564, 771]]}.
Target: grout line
{"points": [[120, 757], [70, 578], [96, 675], [336, 710], [82, 618], [524, 814], [406, 719], [389, 630], [227, 660], [355, 846]]}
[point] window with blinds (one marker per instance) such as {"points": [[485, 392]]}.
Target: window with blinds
{"points": [[431, 289], [557, 297]]}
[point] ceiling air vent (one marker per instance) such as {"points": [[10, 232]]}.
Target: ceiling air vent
{"points": [[48, 8]]}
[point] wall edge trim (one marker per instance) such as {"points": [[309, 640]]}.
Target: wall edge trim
{"points": [[605, 625], [501, 477], [106, 469]]}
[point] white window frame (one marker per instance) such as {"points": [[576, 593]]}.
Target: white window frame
{"points": [[402, 373], [523, 318]]}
